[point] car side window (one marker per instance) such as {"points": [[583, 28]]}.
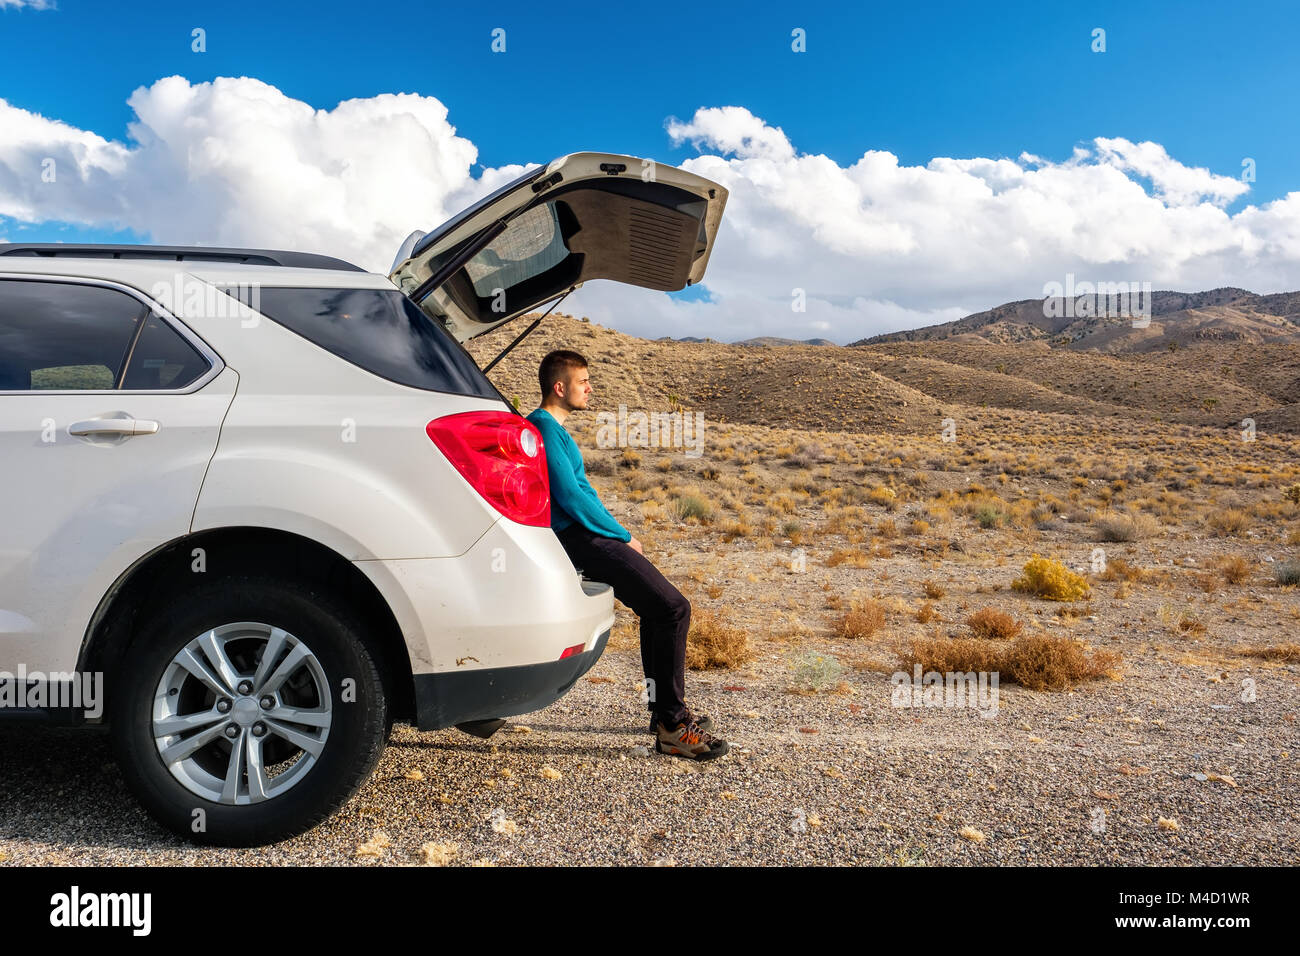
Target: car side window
{"points": [[161, 359], [64, 335]]}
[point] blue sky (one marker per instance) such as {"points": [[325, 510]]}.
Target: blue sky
{"points": [[1210, 83]]}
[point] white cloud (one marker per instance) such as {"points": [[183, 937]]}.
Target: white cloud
{"points": [[28, 4], [873, 245], [236, 162]]}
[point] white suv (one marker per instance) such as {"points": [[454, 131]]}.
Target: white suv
{"points": [[258, 505]]}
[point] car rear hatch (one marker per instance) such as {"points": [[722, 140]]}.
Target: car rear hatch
{"points": [[583, 216]]}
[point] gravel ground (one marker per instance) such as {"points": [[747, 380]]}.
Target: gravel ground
{"points": [[832, 779]]}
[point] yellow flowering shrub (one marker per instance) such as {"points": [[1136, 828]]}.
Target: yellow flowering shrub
{"points": [[1052, 580]]}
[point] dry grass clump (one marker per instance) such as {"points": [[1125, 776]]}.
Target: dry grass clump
{"points": [[945, 654], [1043, 662], [1035, 661], [993, 625], [862, 620], [1229, 521], [1118, 569], [713, 644], [932, 590], [1287, 653], [1045, 578], [853, 557], [693, 506], [1287, 573], [1125, 527]]}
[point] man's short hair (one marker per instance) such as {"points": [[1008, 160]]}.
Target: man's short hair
{"points": [[555, 368]]}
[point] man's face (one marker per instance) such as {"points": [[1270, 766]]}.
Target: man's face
{"points": [[577, 389]]}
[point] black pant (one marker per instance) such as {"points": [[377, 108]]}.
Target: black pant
{"points": [[664, 611]]}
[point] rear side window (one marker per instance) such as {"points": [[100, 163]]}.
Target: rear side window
{"points": [[161, 359], [379, 330], [64, 335]]}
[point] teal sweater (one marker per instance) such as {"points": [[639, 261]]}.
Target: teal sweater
{"points": [[573, 500]]}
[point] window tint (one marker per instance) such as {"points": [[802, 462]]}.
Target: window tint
{"points": [[162, 359], [530, 246], [63, 335], [380, 330]]}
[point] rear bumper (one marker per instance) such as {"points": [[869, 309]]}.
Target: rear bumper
{"points": [[485, 630], [447, 699]]}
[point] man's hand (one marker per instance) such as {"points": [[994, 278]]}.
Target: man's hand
{"points": [[635, 545]]}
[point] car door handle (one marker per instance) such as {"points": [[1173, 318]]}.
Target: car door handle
{"points": [[113, 426]]}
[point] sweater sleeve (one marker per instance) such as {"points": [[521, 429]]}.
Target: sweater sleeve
{"points": [[570, 489]]}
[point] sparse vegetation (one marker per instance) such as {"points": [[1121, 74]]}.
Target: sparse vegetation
{"points": [[1125, 527], [714, 644], [1229, 521], [1045, 578], [1287, 573], [816, 671], [993, 625], [862, 620], [1036, 661], [693, 506]]}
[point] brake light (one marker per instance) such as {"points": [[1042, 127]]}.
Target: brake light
{"points": [[503, 457]]}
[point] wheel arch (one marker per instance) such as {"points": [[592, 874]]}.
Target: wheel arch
{"points": [[240, 551]]}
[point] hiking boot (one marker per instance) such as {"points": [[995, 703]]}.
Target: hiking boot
{"points": [[705, 724], [689, 741]]}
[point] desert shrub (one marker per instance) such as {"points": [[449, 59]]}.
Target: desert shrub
{"points": [[932, 590], [629, 459], [817, 671], [1229, 521], [945, 654], [693, 506], [1288, 653], [598, 466], [1124, 527], [993, 625], [1045, 578], [862, 620], [989, 516], [711, 643], [739, 528], [853, 557], [883, 496], [1042, 662], [1236, 570], [782, 504], [1118, 569], [1287, 573]]}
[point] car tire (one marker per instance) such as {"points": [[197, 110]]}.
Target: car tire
{"points": [[226, 748]]}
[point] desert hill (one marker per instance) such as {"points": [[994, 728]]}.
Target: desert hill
{"points": [[897, 386], [1177, 319]]}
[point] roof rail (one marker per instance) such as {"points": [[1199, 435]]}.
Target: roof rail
{"points": [[259, 257]]}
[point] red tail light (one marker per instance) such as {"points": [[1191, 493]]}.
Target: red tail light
{"points": [[503, 457]]}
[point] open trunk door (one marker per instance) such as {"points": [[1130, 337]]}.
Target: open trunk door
{"points": [[583, 216]]}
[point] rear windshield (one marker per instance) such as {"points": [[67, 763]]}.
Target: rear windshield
{"points": [[380, 330]]}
